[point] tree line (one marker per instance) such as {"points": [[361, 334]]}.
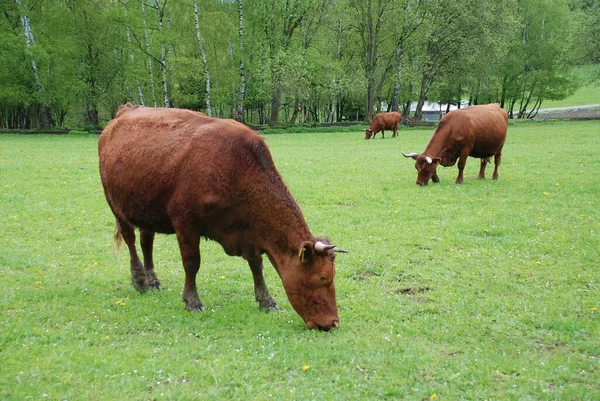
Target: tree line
{"points": [[279, 62]]}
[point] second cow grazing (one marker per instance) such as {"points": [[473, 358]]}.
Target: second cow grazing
{"points": [[178, 171], [383, 121], [477, 131]]}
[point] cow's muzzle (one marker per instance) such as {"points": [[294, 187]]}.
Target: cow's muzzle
{"points": [[327, 325]]}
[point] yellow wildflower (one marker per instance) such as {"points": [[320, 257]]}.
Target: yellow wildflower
{"points": [[305, 367]]}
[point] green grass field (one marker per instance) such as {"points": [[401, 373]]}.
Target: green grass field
{"points": [[483, 291], [582, 96]]}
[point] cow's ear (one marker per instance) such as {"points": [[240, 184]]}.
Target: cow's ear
{"points": [[306, 252], [436, 160]]}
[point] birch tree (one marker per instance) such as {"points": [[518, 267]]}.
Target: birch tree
{"points": [[371, 18], [132, 59], [204, 61], [241, 107], [45, 115], [163, 56], [148, 54]]}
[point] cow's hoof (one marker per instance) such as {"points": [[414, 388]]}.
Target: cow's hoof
{"points": [[155, 284], [194, 306], [141, 285], [269, 307]]}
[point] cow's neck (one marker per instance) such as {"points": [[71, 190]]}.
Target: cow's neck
{"points": [[435, 146], [281, 235]]}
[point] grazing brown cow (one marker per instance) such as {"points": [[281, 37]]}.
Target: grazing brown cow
{"points": [[178, 171], [383, 121], [477, 131]]}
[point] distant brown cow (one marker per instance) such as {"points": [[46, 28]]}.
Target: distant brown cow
{"points": [[178, 171], [383, 121], [478, 131]]}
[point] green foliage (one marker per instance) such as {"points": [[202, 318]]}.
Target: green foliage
{"points": [[321, 61], [486, 290]]}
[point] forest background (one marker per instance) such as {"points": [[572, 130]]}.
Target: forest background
{"points": [[71, 63]]}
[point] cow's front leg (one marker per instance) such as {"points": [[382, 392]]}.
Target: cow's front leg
{"points": [[461, 165], [435, 177], [261, 292], [147, 243], [189, 246]]}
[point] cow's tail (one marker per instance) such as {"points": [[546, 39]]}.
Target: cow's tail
{"points": [[118, 235]]}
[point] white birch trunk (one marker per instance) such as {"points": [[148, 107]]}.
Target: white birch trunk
{"points": [[132, 58], [204, 61], [163, 63], [30, 40], [149, 60], [241, 109]]}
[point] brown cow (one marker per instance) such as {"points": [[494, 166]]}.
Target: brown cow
{"points": [[178, 171], [477, 131], [383, 121]]}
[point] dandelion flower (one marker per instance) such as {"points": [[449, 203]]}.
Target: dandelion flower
{"points": [[305, 368], [595, 309]]}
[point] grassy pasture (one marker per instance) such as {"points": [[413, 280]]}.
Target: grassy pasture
{"points": [[582, 96], [486, 290]]}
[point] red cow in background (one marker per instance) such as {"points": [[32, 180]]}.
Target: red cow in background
{"points": [[383, 121]]}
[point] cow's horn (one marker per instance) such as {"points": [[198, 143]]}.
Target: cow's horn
{"points": [[429, 160], [321, 247], [410, 154], [336, 249]]}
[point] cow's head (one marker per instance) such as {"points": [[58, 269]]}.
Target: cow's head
{"points": [[426, 167], [368, 133], [310, 284]]}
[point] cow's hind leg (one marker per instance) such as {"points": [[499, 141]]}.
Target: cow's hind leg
{"points": [[261, 292], [189, 246], [497, 161], [147, 243], [138, 273], [482, 166]]}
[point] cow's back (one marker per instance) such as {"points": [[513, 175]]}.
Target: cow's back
{"points": [[490, 123], [481, 128], [161, 164]]}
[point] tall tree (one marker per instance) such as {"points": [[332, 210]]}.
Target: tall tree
{"points": [[241, 107], [204, 61], [371, 16], [45, 117]]}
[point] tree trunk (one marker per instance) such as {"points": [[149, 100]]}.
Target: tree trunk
{"points": [[150, 69], [241, 105], [204, 61], [292, 120], [163, 59], [422, 96], [44, 112], [132, 58], [275, 100]]}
